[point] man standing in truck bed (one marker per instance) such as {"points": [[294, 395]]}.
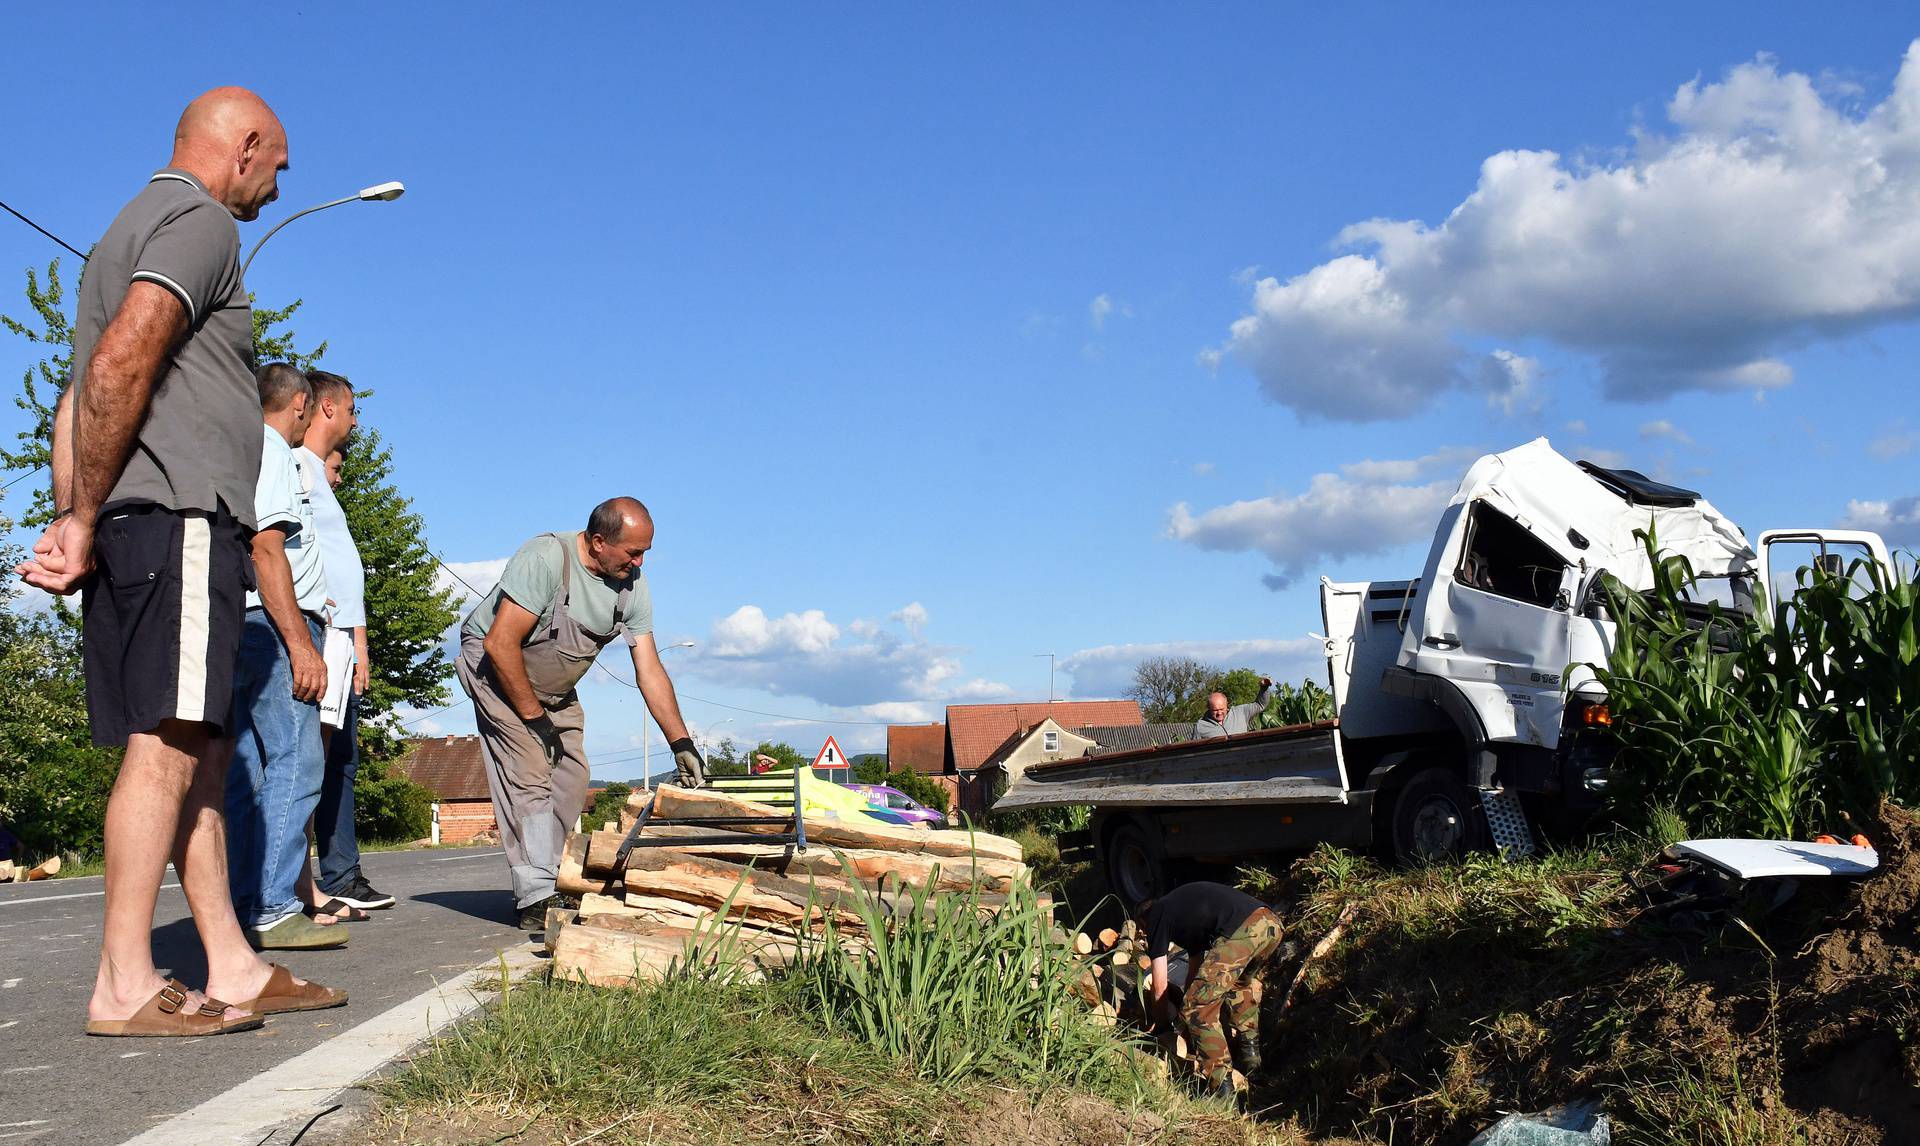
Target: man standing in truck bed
{"points": [[1224, 720], [1228, 937]]}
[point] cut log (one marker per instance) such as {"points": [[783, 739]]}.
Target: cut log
{"points": [[945, 873], [1082, 943], [1108, 936], [557, 917], [608, 956], [593, 905], [572, 879], [46, 870], [753, 893], [672, 803], [610, 826], [6, 871]]}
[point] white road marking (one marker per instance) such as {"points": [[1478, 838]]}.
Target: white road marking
{"points": [[457, 859], [18, 1125], [9, 1023], [133, 1054], [9, 983], [27, 1069], [71, 895], [302, 1085]]}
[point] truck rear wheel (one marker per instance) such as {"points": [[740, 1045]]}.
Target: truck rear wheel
{"points": [[1135, 862], [1435, 817]]}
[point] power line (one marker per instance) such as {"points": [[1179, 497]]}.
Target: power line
{"points": [[24, 476], [43, 230], [686, 695]]}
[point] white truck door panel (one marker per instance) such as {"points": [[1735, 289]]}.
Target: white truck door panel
{"points": [[1784, 553]]}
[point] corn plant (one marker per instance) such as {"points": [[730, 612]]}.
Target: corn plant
{"points": [[1772, 723]]}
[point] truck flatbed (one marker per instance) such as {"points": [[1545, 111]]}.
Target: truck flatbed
{"points": [[1298, 764]]}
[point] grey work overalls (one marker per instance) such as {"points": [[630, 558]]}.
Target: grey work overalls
{"points": [[537, 799]]}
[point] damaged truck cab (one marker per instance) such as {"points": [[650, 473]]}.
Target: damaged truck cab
{"points": [[1464, 713]]}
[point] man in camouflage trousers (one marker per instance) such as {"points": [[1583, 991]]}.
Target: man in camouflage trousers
{"points": [[1228, 937]]}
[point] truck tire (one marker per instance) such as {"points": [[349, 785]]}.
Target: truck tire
{"points": [[1135, 862], [1435, 817]]}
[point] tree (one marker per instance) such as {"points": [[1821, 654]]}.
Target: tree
{"points": [[53, 781], [607, 805], [1167, 686], [785, 755], [42, 386], [407, 612]]}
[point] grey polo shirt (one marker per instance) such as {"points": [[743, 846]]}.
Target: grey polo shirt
{"points": [[199, 447]]}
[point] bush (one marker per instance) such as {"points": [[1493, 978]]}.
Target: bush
{"points": [[53, 782], [387, 806], [1774, 724], [607, 805]]}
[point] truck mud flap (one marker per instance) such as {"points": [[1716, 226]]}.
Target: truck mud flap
{"points": [[1507, 822]]}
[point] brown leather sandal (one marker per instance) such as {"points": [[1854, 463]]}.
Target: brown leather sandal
{"points": [[166, 1016], [282, 995]]}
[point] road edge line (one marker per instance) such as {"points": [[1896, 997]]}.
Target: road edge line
{"points": [[306, 1083]]}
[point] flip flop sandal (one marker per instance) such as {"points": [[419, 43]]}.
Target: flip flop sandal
{"points": [[166, 1016], [339, 909], [282, 994]]}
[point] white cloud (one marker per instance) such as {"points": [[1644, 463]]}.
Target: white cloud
{"points": [[1894, 443], [1105, 306], [1577, 426], [805, 654], [913, 616], [1663, 430], [1509, 381], [901, 712], [1897, 519], [1202, 469], [1369, 507], [1769, 216], [470, 580], [1108, 670]]}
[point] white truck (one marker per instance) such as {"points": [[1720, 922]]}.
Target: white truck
{"points": [[1459, 722]]}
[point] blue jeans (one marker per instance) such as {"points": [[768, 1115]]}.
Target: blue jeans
{"points": [[274, 781], [333, 818]]}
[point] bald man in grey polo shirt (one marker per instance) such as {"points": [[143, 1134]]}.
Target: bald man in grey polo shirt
{"points": [[156, 448]]}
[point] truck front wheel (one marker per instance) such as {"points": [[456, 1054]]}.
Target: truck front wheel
{"points": [[1435, 817], [1135, 862]]}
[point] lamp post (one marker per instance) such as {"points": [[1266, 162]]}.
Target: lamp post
{"points": [[378, 193], [646, 721], [708, 734]]}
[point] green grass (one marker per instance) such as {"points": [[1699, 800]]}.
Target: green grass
{"points": [[587, 1056]]}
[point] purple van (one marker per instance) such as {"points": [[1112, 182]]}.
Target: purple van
{"points": [[896, 807]]}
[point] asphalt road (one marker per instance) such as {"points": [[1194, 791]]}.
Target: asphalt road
{"points": [[58, 1085]]}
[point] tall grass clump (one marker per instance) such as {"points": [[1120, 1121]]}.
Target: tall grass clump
{"points": [[1773, 723], [954, 989]]}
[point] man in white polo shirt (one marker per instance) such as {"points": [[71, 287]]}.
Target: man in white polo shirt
{"points": [[330, 423], [274, 781]]}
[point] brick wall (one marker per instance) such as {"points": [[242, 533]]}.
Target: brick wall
{"points": [[461, 820]]}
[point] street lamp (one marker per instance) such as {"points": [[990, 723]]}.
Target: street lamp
{"points": [[708, 734], [378, 193], [646, 718]]}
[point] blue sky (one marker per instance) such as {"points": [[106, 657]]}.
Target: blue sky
{"points": [[938, 339]]}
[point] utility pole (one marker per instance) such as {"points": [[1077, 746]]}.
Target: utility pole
{"points": [[1049, 657]]}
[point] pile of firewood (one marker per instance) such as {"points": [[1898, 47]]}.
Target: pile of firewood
{"points": [[23, 872], [746, 901]]}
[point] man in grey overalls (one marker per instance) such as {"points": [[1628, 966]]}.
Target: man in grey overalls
{"points": [[561, 599]]}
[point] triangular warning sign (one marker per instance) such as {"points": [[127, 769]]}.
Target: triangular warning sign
{"points": [[830, 756]]}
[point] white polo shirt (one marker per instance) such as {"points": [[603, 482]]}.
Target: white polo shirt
{"points": [[282, 500], [346, 576]]}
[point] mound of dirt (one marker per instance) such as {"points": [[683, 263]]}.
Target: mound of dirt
{"points": [[1807, 1025]]}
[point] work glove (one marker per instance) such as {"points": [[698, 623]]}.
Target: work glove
{"points": [[686, 761], [549, 736]]}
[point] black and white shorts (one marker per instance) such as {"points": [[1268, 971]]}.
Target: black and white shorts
{"points": [[161, 620]]}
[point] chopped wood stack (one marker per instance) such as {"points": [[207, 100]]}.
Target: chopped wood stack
{"points": [[21, 872], [744, 900]]}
